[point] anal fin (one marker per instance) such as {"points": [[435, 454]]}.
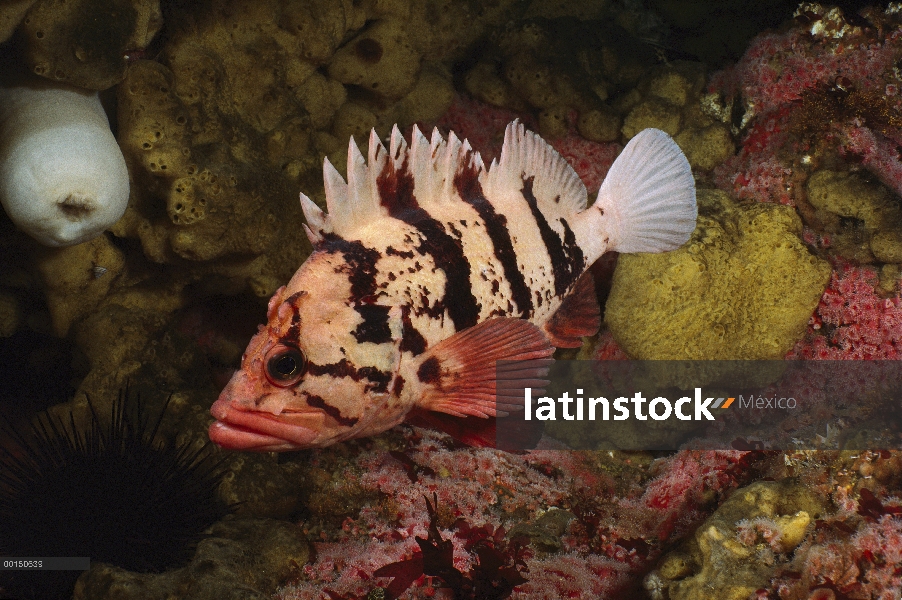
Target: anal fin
{"points": [[462, 376], [579, 315]]}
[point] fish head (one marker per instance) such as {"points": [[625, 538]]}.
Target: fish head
{"points": [[299, 385]]}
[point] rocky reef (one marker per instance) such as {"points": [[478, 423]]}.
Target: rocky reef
{"points": [[224, 111]]}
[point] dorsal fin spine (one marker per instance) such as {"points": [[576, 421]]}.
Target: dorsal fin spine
{"points": [[314, 237], [377, 156], [436, 141], [359, 196], [448, 165], [421, 165], [397, 147], [336, 191], [316, 219]]}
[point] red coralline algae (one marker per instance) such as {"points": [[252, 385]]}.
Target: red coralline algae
{"points": [[758, 171], [615, 531], [574, 575], [871, 508], [608, 349], [497, 565], [778, 68], [750, 531], [676, 494], [878, 154], [590, 160], [824, 90], [482, 124], [879, 546], [852, 320], [345, 568], [473, 486], [779, 79]]}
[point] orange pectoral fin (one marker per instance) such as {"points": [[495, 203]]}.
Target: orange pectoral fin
{"points": [[462, 376], [577, 316]]}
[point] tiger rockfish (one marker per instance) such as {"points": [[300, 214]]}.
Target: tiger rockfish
{"points": [[427, 270]]}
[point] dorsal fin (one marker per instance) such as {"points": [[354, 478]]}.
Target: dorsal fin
{"points": [[558, 190], [433, 165], [350, 204]]}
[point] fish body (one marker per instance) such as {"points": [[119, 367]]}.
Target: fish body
{"points": [[428, 269]]}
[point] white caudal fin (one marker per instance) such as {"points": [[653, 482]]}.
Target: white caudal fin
{"points": [[648, 196]]}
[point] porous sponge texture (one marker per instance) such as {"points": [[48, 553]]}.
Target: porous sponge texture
{"points": [[244, 101], [724, 557], [86, 43], [864, 217], [743, 287]]}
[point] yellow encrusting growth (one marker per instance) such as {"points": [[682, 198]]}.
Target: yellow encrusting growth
{"points": [[743, 287], [738, 548]]}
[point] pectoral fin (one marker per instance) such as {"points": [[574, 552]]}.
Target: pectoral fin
{"points": [[462, 376]]}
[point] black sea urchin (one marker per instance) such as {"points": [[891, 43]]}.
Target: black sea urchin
{"points": [[108, 492]]}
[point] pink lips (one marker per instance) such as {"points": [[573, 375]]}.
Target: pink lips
{"points": [[234, 438], [238, 429]]}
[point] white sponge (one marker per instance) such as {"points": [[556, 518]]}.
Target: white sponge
{"points": [[63, 179]]}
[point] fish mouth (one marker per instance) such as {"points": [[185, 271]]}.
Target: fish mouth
{"points": [[234, 437], [256, 431]]}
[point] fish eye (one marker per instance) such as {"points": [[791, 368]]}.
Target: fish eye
{"points": [[285, 365]]}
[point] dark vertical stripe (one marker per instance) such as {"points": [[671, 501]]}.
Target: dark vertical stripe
{"points": [[573, 251], [411, 340], [292, 337], [398, 385], [374, 327], [430, 372], [468, 187], [397, 195], [565, 265], [359, 264], [360, 268]]}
